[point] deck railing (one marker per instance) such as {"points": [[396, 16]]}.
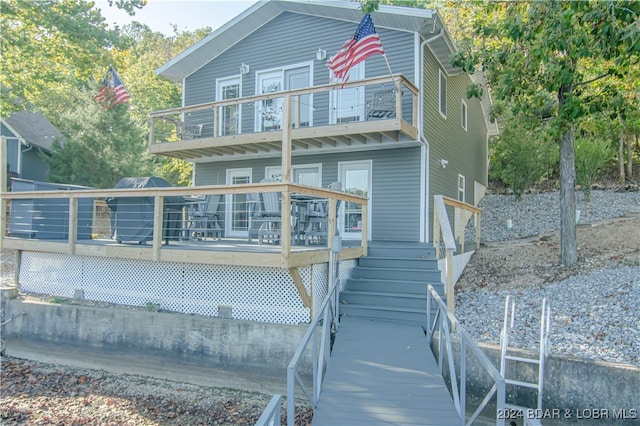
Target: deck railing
{"points": [[442, 322], [63, 222], [278, 110]]}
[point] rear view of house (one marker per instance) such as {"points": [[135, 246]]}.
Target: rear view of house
{"points": [[290, 167], [395, 139]]}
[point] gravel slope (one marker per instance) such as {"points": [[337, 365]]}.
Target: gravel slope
{"points": [[595, 305]]}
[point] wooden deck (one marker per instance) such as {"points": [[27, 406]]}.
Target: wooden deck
{"points": [[383, 373]]}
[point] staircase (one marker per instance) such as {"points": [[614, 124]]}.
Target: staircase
{"points": [[391, 282]]}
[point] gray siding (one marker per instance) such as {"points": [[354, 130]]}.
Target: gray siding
{"points": [[293, 39], [465, 151], [395, 179]]}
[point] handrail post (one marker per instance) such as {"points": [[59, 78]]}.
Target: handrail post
{"points": [[216, 121], [291, 403]]}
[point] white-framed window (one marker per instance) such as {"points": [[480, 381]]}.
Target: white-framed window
{"points": [[461, 190], [442, 93], [304, 174], [347, 105], [463, 115], [229, 116]]}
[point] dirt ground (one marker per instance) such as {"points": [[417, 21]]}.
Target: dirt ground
{"points": [[534, 262]]}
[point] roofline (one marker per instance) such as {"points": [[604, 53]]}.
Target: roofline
{"points": [[280, 6]]}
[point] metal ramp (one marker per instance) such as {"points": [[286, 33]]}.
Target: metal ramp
{"points": [[528, 414], [382, 373]]}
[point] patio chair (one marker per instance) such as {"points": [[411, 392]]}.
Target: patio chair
{"points": [[383, 104], [270, 216], [204, 217], [318, 213]]}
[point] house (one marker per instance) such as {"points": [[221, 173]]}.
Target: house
{"points": [[350, 168], [29, 136], [437, 145]]}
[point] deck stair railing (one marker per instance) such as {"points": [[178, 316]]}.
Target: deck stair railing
{"points": [[319, 334], [444, 236], [528, 414], [441, 323]]}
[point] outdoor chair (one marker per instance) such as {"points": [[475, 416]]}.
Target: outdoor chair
{"points": [[270, 216], [383, 104], [318, 213], [204, 217]]}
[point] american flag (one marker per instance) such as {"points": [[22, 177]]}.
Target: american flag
{"points": [[112, 91], [364, 43]]}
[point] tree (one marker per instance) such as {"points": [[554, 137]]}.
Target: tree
{"points": [[545, 47], [50, 49], [103, 145]]}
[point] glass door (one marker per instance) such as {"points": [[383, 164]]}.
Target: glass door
{"points": [[347, 105], [299, 78], [236, 222], [229, 116], [269, 111], [356, 178]]}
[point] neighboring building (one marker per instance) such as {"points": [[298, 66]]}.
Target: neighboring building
{"points": [[282, 45], [29, 135]]}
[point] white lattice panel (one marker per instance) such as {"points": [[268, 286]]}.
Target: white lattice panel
{"points": [[253, 293]]}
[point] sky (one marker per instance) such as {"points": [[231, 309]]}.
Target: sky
{"points": [[190, 15]]}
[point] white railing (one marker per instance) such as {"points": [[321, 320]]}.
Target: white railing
{"points": [[319, 334], [442, 323], [271, 415]]}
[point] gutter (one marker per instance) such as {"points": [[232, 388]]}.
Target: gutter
{"points": [[424, 151]]}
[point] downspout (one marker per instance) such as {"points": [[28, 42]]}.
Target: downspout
{"points": [[424, 150]]}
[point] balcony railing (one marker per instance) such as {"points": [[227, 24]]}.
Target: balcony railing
{"points": [[292, 120], [161, 224]]}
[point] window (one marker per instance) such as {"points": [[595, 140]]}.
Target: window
{"points": [[461, 191], [463, 115], [304, 174], [442, 93]]}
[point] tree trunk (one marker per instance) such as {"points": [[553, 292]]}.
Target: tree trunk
{"points": [[630, 157], [568, 240], [621, 149]]}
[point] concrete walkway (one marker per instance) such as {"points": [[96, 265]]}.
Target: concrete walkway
{"points": [[383, 373]]}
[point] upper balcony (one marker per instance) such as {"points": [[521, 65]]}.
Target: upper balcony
{"points": [[375, 111]]}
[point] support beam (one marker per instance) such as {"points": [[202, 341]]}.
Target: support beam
{"points": [[302, 291]]}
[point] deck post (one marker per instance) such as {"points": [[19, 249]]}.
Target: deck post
{"points": [[216, 121], [72, 232], [331, 222], [365, 227], [286, 139], [157, 226]]}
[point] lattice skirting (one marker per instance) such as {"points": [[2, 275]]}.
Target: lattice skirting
{"points": [[249, 293]]}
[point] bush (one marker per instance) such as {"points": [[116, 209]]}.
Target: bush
{"points": [[520, 158], [592, 157]]}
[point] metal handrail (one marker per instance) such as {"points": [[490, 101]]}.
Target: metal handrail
{"points": [[321, 351], [444, 320], [271, 415]]}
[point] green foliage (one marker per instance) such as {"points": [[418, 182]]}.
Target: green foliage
{"points": [[592, 157], [519, 157], [102, 146]]}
